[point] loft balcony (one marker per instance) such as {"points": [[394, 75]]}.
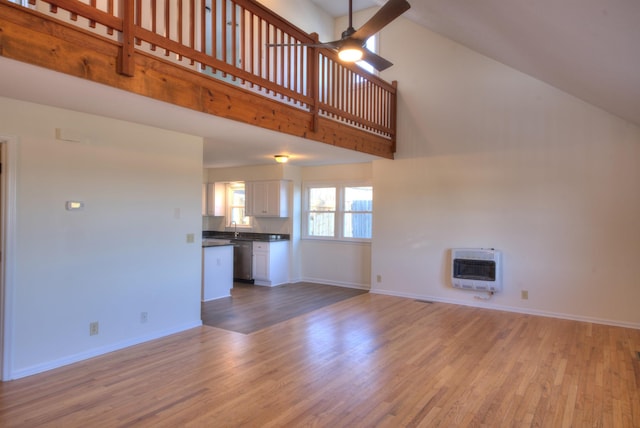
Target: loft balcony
{"points": [[210, 56]]}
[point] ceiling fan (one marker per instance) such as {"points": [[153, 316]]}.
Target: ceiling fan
{"points": [[351, 47]]}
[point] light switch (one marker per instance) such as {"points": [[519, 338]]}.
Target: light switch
{"points": [[190, 238]]}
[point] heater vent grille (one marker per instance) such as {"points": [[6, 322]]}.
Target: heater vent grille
{"points": [[476, 269]]}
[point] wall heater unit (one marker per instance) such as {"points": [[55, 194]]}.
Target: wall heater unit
{"points": [[477, 269]]}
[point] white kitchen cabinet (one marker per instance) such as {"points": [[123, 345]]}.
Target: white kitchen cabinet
{"points": [[267, 198], [271, 263], [213, 199], [217, 272]]}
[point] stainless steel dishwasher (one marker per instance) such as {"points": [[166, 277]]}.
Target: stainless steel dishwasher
{"points": [[242, 260]]}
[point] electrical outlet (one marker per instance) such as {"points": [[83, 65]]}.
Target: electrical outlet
{"points": [[378, 278], [93, 328], [524, 294], [144, 317]]}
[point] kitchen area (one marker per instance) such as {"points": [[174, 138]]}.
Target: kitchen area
{"points": [[246, 232]]}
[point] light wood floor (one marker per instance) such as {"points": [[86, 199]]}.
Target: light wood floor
{"points": [[367, 361]]}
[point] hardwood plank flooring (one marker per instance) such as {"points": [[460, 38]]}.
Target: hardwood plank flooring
{"points": [[252, 307], [368, 361]]}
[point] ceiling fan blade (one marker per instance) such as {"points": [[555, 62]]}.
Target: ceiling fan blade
{"points": [[375, 60], [387, 13]]}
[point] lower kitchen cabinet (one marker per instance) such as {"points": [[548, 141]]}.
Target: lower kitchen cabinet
{"points": [[217, 272], [271, 263]]}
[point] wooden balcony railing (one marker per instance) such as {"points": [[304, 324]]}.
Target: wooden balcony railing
{"points": [[228, 40]]}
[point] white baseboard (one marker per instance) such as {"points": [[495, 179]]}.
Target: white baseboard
{"points": [[215, 298], [39, 368], [336, 283], [486, 305]]}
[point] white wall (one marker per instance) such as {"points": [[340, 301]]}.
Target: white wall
{"points": [[490, 157], [124, 254], [332, 262], [304, 15]]}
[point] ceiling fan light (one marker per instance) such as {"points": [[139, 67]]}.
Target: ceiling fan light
{"points": [[350, 54]]}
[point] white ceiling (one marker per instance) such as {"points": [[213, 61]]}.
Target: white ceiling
{"points": [[587, 48]]}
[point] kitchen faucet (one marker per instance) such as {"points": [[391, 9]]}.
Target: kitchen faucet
{"points": [[235, 229]]}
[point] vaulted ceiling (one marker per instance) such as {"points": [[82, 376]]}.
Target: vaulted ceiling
{"points": [[587, 48]]}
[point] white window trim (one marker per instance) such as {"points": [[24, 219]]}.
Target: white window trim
{"points": [[339, 212], [228, 208]]}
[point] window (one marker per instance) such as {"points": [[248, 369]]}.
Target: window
{"points": [[372, 45], [341, 212], [235, 205]]}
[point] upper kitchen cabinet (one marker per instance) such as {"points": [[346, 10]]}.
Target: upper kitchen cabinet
{"points": [[267, 198], [213, 199]]}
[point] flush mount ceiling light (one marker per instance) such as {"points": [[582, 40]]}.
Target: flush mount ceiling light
{"points": [[281, 158]]}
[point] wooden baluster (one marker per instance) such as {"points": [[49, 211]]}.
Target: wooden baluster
{"points": [[283, 54], [313, 71], [203, 25], [267, 60], [346, 90], [261, 48], [234, 36], [179, 25], [380, 109], [393, 106], [350, 92], [223, 32], [214, 30], [325, 79], [92, 23], [243, 47], [361, 94], [387, 111], [367, 107], [343, 80], [138, 18], [376, 104], [296, 81], [203, 31], [126, 62], [154, 25], [192, 27], [110, 11], [167, 23], [252, 46], [334, 85]]}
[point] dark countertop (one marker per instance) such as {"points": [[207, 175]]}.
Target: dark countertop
{"points": [[246, 236], [215, 244]]}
